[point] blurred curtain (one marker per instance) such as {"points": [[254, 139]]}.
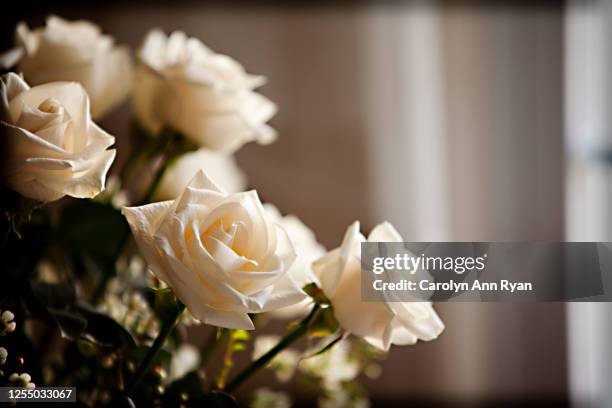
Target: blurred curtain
{"points": [[589, 187], [465, 142]]}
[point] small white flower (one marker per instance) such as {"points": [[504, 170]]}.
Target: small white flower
{"points": [[283, 364], [137, 302], [137, 266], [151, 327], [333, 367], [3, 355], [113, 306], [185, 359], [130, 309], [8, 325], [266, 398], [22, 380]]}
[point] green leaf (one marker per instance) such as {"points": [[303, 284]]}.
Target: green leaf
{"points": [[52, 302], [324, 323], [39, 297], [326, 347], [71, 325], [219, 399], [53, 295], [105, 330], [56, 301], [94, 229]]}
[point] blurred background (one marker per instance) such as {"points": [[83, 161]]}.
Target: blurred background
{"points": [[472, 121]]}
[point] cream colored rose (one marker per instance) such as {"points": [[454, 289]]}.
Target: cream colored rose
{"points": [[220, 166], [74, 51], [208, 97], [52, 146], [379, 323], [220, 253], [307, 250]]}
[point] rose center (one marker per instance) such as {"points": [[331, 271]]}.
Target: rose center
{"points": [[225, 232], [50, 105]]}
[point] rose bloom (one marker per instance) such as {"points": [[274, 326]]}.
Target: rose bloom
{"points": [[220, 166], [52, 147], [208, 97], [219, 252], [74, 51], [379, 323], [307, 250]]}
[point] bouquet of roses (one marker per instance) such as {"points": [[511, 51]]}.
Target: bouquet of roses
{"points": [[98, 289]]}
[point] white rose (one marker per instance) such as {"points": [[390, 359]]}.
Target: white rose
{"points": [[52, 146], [307, 250], [74, 51], [208, 97], [220, 166], [379, 323], [219, 252]]}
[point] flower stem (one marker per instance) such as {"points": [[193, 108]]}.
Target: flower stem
{"points": [[166, 329], [156, 180], [212, 342], [228, 362], [285, 342]]}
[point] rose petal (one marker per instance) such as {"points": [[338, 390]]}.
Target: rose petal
{"points": [[70, 95], [384, 232]]}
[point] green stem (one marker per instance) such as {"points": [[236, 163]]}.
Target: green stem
{"points": [[212, 343], [131, 162], [165, 331], [156, 180], [262, 361], [228, 362]]}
